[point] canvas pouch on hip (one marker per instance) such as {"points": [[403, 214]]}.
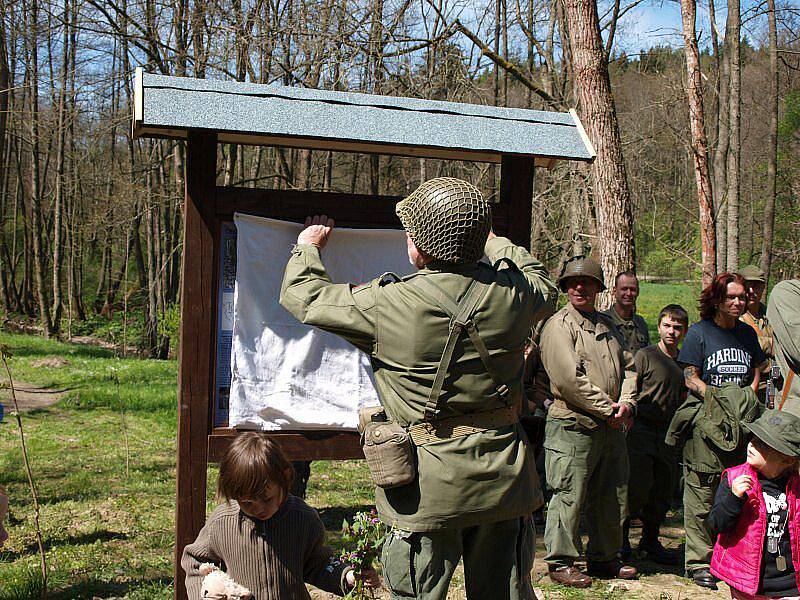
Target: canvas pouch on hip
{"points": [[388, 449]]}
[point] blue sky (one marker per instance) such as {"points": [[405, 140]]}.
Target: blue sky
{"points": [[659, 22]]}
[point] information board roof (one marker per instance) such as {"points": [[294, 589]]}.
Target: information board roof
{"points": [[247, 113]]}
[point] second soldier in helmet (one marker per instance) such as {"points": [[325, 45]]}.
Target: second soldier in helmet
{"points": [[593, 382]]}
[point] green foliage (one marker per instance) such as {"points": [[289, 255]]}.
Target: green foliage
{"points": [[790, 123], [23, 584], [169, 325], [118, 329], [659, 262]]}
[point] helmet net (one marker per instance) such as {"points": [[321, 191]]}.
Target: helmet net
{"points": [[448, 219]]}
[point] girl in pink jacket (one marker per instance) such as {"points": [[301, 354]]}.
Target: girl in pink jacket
{"points": [[756, 512]]}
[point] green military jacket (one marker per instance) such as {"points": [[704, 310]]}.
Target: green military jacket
{"points": [[588, 366], [712, 429], [783, 311], [633, 330], [484, 477]]}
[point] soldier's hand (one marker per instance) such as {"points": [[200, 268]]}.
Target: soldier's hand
{"points": [[741, 485], [317, 231], [491, 235], [621, 416]]}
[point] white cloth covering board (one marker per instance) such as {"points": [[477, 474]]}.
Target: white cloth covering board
{"points": [[287, 375]]}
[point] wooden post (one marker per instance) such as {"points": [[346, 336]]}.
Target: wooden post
{"points": [[197, 343], [516, 191]]}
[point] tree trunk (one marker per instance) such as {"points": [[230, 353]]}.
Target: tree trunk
{"points": [[694, 96], [60, 183], [723, 141], [609, 180], [732, 33], [772, 161], [35, 175]]}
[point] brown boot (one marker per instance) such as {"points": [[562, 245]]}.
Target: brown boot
{"points": [[611, 569], [570, 576]]}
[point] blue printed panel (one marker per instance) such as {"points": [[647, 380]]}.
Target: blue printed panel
{"points": [[227, 285]]}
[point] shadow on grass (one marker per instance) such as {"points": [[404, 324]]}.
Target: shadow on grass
{"points": [[81, 539], [333, 516], [96, 588]]}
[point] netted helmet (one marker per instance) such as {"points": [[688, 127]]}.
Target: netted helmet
{"points": [[448, 219], [581, 266]]}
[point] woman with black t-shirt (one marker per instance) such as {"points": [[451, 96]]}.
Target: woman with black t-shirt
{"points": [[719, 349]]}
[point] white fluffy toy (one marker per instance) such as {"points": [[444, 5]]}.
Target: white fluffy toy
{"points": [[217, 585]]}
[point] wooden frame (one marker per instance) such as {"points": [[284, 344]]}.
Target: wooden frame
{"points": [[207, 207]]}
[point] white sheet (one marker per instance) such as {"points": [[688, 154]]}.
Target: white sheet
{"points": [[286, 375]]}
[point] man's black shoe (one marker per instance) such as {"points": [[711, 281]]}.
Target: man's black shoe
{"points": [[657, 553], [704, 578]]}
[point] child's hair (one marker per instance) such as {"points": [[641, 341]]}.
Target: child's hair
{"points": [[252, 463], [674, 311]]}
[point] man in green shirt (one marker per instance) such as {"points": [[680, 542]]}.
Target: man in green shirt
{"points": [[653, 464], [755, 281], [476, 482], [623, 312]]}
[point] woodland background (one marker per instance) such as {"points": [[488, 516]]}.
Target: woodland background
{"points": [[91, 220]]}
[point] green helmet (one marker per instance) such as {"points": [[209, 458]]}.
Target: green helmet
{"points": [[448, 219], [581, 266]]}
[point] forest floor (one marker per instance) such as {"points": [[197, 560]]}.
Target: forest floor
{"points": [[101, 433]]}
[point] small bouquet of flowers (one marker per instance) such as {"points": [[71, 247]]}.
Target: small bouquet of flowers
{"points": [[363, 540]]}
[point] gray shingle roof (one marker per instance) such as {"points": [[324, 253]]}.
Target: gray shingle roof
{"points": [[250, 113]]}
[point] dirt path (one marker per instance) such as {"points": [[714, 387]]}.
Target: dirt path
{"points": [[30, 397]]}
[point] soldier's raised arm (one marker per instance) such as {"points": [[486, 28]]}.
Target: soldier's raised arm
{"points": [[535, 273], [567, 373], [309, 294]]}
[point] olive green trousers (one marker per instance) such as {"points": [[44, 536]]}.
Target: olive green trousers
{"points": [[586, 469], [698, 497], [498, 559], [653, 467]]}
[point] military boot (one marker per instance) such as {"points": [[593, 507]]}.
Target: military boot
{"points": [[570, 577], [611, 569], [655, 551]]}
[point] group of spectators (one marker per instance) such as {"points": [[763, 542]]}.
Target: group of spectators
{"points": [[620, 410]]}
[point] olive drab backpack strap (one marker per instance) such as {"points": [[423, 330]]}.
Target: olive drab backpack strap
{"points": [[460, 319]]}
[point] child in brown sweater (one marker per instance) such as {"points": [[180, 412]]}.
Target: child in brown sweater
{"points": [[266, 539]]}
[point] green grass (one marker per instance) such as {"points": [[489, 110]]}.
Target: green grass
{"points": [[655, 296]]}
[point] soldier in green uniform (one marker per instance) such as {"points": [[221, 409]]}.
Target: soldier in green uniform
{"points": [[476, 483], [756, 316], [593, 383], [653, 464], [623, 312], [783, 310]]}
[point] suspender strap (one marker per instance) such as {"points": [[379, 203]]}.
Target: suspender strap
{"points": [[786, 385], [460, 318]]}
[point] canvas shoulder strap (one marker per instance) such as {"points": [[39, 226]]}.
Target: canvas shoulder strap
{"points": [[787, 384], [460, 319]]}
